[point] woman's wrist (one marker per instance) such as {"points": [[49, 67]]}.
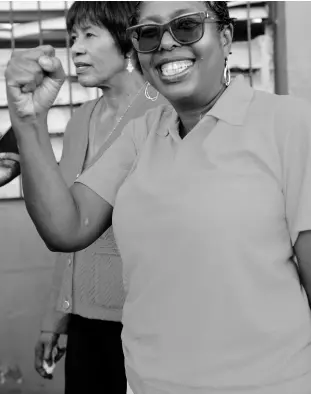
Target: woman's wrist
{"points": [[32, 129]]}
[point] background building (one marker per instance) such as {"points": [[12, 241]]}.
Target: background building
{"points": [[271, 49]]}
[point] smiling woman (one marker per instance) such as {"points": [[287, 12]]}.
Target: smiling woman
{"points": [[183, 52], [210, 202]]}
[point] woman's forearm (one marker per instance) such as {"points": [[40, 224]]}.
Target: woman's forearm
{"points": [[67, 219], [49, 201]]}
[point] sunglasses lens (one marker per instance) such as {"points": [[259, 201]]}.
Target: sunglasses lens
{"points": [[185, 29], [146, 38], [188, 29]]}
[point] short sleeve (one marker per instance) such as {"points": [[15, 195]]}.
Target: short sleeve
{"points": [[297, 169], [106, 175]]}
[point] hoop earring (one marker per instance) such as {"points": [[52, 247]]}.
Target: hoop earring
{"points": [[227, 74], [148, 95], [130, 68]]}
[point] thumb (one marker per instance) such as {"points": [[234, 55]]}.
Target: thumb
{"points": [[53, 66], [47, 354]]}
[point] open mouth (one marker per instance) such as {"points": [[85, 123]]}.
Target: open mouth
{"points": [[175, 68]]}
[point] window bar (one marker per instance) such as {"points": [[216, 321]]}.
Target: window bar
{"points": [[68, 63], [249, 42], [11, 16], [11, 20], [40, 23], [277, 20]]}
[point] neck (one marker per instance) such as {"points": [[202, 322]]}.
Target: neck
{"points": [[121, 89], [189, 117]]}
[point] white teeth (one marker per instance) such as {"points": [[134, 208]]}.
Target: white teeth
{"points": [[169, 69]]}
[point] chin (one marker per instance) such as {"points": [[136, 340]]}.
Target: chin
{"points": [[87, 82], [179, 92], [182, 90]]}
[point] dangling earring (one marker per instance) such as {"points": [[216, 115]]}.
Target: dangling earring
{"points": [[148, 95], [227, 74], [130, 68]]}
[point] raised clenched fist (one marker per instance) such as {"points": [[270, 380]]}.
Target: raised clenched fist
{"points": [[33, 79]]}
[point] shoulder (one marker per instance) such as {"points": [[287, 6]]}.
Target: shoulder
{"points": [[291, 126], [142, 105], [79, 117], [76, 127], [153, 120], [284, 107], [84, 109], [294, 108], [292, 119], [283, 114], [154, 116]]}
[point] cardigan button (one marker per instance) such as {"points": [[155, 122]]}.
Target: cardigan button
{"points": [[66, 304]]}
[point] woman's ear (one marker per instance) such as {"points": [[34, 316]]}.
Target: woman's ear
{"points": [[226, 39]]}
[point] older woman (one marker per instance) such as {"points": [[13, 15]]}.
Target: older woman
{"points": [[87, 294], [211, 200]]}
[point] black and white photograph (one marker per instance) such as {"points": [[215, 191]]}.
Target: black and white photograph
{"points": [[155, 197]]}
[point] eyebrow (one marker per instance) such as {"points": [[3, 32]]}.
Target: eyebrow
{"points": [[80, 27], [158, 19], [84, 28]]}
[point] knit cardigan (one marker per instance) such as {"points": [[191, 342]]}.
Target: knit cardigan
{"points": [[95, 296]]}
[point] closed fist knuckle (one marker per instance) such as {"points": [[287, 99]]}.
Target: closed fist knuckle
{"points": [[7, 73], [49, 48], [46, 50], [15, 53], [9, 68]]}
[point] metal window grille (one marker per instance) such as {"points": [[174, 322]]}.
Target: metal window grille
{"points": [[30, 23]]}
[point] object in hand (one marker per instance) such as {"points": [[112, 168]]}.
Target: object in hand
{"points": [[9, 158]]}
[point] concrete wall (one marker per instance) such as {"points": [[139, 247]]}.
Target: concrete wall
{"points": [[25, 275], [298, 47]]}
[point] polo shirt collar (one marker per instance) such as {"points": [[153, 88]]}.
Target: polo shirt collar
{"points": [[231, 107]]}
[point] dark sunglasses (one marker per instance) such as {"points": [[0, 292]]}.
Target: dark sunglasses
{"points": [[185, 30]]}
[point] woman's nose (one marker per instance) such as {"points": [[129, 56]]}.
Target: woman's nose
{"points": [[77, 47], [168, 42]]}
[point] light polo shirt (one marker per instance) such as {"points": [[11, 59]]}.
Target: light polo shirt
{"points": [[206, 227]]}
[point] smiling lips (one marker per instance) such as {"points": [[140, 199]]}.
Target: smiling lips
{"points": [[175, 68]]}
